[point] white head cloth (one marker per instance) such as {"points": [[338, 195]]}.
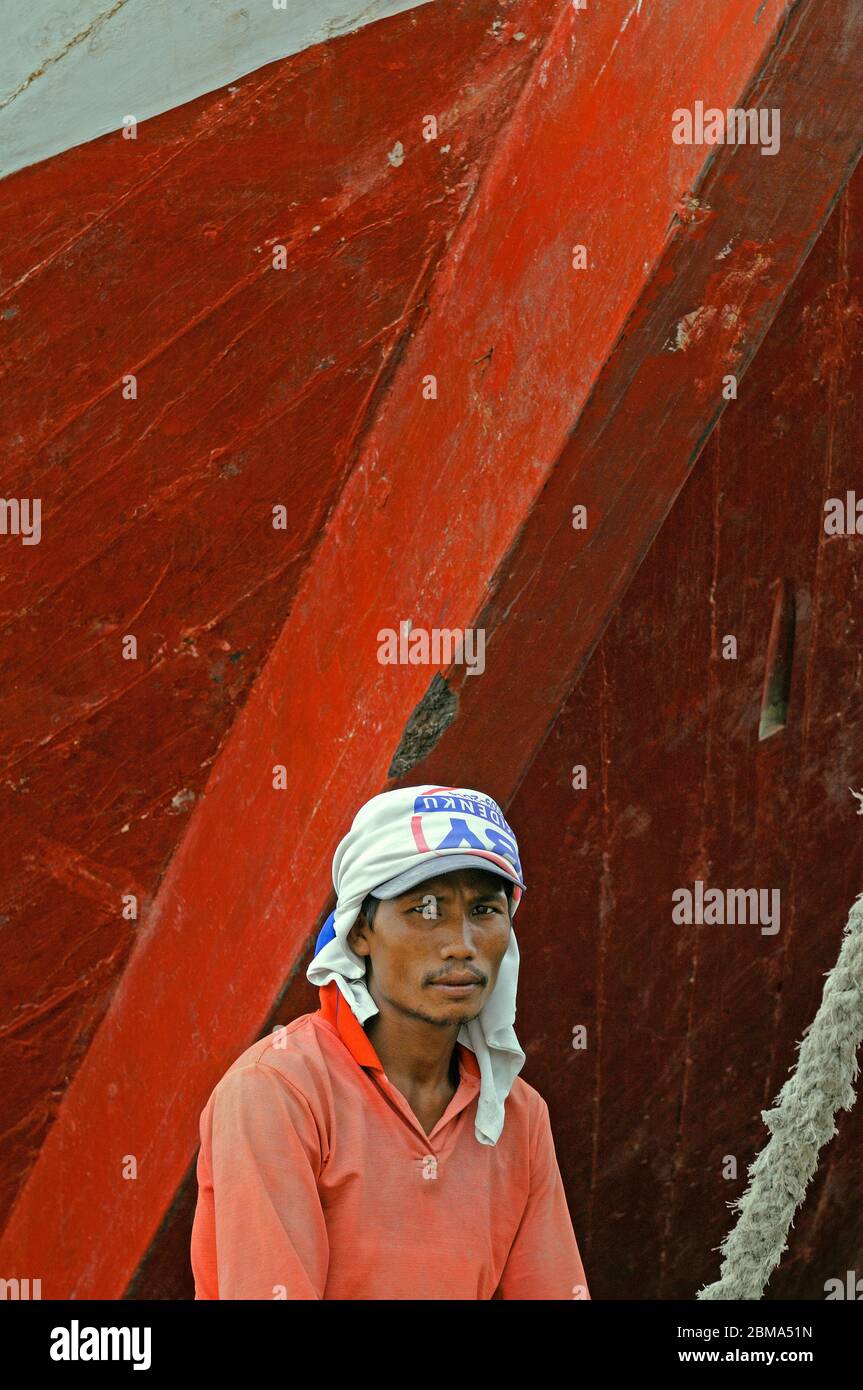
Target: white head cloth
{"points": [[398, 831]]}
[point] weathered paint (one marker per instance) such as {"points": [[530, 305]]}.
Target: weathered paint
{"points": [[82, 70], [731, 253], [272, 908], [254, 387], [691, 1032]]}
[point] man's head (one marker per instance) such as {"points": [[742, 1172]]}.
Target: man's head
{"points": [[454, 925]]}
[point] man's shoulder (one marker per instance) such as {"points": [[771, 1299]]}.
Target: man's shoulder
{"points": [[298, 1051], [525, 1105]]}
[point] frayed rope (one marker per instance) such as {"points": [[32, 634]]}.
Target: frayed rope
{"points": [[800, 1124]]}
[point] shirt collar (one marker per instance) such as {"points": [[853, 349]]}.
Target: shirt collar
{"points": [[337, 1011]]}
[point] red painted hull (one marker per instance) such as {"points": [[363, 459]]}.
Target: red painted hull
{"points": [[303, 389]]}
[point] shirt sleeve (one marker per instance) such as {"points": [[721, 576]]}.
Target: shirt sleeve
{"points": [[259, 1230], [544, 1260]]}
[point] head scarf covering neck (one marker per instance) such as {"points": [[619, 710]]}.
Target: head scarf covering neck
{"points": [[394, 832]]}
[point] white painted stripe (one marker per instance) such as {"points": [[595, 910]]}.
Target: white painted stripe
{"points": [[72, 71]]}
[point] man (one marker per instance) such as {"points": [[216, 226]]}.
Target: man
{"points": [[384, 1147]]}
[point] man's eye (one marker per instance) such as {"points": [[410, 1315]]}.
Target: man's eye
{"points": [[428, 909]]}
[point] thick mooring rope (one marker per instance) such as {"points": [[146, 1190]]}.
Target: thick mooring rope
{"points": [[800, 1124]]}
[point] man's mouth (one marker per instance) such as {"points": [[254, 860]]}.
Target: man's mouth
{"points": [[458, 984]]}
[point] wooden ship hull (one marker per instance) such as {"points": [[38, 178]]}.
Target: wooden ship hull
{"points": [[337, 328]]}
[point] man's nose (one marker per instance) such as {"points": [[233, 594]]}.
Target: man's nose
{"points": [[463, 931]]}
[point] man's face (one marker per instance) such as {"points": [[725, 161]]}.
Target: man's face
{"points": [[457, 924]]}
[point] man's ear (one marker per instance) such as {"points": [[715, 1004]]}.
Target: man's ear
{"points": [[356, 936]]}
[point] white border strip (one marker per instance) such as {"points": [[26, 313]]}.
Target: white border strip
{"points": [[76, 72]]}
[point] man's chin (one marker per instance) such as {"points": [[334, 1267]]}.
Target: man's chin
{"points": [[446, 1012], [458, 1011]]}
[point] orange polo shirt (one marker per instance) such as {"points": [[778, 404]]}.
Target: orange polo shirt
{"points": [[317, 1181]]}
